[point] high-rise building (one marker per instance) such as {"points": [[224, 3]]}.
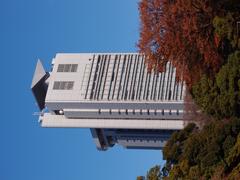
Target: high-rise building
{"points": [[114, 95]]}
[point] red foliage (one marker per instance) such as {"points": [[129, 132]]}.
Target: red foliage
{"points": [[179, 31], [216, 40]]}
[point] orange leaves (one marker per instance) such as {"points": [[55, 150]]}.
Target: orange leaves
{"points": [[216, 40], [179, 31]]}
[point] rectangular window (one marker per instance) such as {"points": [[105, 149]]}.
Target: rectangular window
{"points": [[56, 85], [67, 68], [74, 68], [60, 68], [63, 85], [70, 85]]}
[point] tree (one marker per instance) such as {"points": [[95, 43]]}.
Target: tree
{"points": [[173, 149], [226, 33], [233, 159], [209, 153], [140, 178], [154, 173], [193, 35], [200, 39], [181, 32], [220, 96]]}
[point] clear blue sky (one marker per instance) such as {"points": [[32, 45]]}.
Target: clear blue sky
{"points": [[32, 29]]}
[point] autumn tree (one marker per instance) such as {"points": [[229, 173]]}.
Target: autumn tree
{"points": [[179, 31], [201, 39]]}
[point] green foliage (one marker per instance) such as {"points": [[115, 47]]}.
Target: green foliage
{"points": [[175, 172], [220, 97], [194, 173], [235, 173], [174, 147], [228, 144], [234, 155], [206, 153], [214, 151], [226, 29], [224, 26], [140, 178], [154, 173]]}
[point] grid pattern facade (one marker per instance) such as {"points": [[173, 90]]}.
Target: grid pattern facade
{"points": [[125, 77]]}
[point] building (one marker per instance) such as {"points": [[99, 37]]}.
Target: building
{"points": [[114, 95]]}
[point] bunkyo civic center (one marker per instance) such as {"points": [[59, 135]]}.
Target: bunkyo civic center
{"points": [[114, 95]]}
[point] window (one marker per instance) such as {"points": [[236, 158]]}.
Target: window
{"points": [[74, 68], [56, 85], [67, 68], [70, 85], [63, 85], [60, 68]]}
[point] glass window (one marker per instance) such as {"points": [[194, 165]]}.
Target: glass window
{"points": [[56, 85], [63, 85], [60, 68], [70, 85], [67, 68], [74, 68]]}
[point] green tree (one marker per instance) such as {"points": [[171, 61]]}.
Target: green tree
{"points": [[174, 147], [140, 178], [226, 29], [233, 159], [154, 173], [209, 153], [220, 96]]}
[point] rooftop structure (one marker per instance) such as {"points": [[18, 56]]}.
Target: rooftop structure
{"points": [[114, 95]]}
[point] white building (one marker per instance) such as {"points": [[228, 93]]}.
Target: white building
{"points": [[113, 95]]}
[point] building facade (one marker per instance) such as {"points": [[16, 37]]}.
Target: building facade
{"points": [[114, 95]]}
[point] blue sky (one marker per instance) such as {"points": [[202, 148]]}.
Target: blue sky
{"points": [[32, 29]]}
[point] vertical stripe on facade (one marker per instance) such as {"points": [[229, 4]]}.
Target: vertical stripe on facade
{"points": [[116, 77], [132, 79], [125, 77], [140, 79], [95, 77], [122, 72], [112, 77], [106, 73], [90, 74]]}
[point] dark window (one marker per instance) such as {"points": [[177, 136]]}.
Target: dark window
{"points": [[56, 85], [60, 68], [67, 68], [74, 68], [70, 85], [63, 85]]}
